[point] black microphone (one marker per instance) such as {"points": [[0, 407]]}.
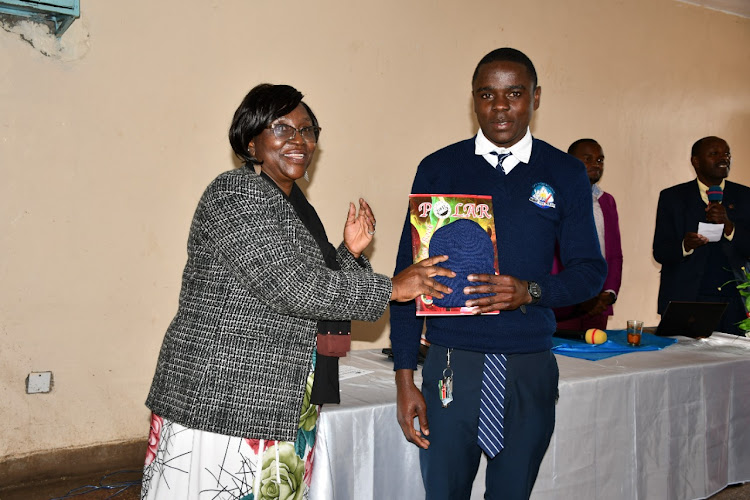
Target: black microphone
{"points": [[590, 336], [571, 334], [715, 194]]}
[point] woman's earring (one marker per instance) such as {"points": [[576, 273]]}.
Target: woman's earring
{"points": [[307, 177]]}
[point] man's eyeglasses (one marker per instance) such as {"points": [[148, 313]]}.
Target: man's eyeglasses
{"points": [[286, 132]]}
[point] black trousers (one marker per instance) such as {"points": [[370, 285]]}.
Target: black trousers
{"points": [[450, 464]]}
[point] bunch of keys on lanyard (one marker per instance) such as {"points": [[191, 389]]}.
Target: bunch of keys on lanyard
{"points": [[446, 384]]}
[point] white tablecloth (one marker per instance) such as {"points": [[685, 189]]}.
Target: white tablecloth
{"points": [[671, 424]]}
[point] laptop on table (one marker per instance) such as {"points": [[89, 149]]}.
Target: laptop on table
{"points": [[690, 319]]}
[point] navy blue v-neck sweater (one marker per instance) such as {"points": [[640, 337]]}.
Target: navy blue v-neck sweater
{"points": [[527, 230]]}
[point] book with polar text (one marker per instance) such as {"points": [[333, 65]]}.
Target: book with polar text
{"points": [[429, 213]]}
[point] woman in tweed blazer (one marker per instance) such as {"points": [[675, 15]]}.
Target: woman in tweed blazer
{"points": [[235, 370]]}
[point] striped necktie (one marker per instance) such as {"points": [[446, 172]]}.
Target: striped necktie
{"points": [[492, 404], [500, 158]]}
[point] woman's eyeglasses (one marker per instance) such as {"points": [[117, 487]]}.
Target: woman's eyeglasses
{"points": [[286, 132]]}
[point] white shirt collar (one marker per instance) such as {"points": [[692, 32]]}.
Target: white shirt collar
{"points": [[521, 150], [596, 191]]}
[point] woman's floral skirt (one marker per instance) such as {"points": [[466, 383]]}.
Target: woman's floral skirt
{"points": [[187, 464]]}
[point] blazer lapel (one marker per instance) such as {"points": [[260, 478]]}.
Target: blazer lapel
{"points": [[695, 208], [297, 230]]}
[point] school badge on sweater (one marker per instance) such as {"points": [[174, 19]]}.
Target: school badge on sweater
{"points": [[542, 195]]}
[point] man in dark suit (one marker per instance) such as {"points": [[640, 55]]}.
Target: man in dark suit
{"points": [[694, 269]]}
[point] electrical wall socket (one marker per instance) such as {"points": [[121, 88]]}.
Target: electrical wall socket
{"points": [[39, 382]]}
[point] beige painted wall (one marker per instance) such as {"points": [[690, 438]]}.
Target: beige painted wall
{"points": [[105, 149]]}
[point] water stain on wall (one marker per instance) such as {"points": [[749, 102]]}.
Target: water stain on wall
{"points": [[72, 46]]}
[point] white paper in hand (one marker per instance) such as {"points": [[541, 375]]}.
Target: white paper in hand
{"points": [[711, 231]]}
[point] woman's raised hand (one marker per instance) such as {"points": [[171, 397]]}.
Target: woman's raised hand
{"points": [[418, 279], [359, 228]]}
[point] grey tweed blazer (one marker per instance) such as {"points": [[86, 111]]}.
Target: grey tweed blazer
{"points": [[235, 358]]}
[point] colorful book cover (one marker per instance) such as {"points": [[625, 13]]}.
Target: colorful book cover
{"points": [[430, 212]]}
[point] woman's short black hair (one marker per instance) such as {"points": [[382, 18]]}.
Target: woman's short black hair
{"points": [[260, 107]]}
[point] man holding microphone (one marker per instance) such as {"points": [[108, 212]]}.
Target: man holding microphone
{"points": [[693, 268]]}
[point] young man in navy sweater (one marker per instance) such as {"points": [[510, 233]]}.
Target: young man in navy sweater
{"points": [[541, 198]]}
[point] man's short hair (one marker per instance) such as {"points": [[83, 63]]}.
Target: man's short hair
{"points": [[510, 55], [572, 147], [699, 144]]}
